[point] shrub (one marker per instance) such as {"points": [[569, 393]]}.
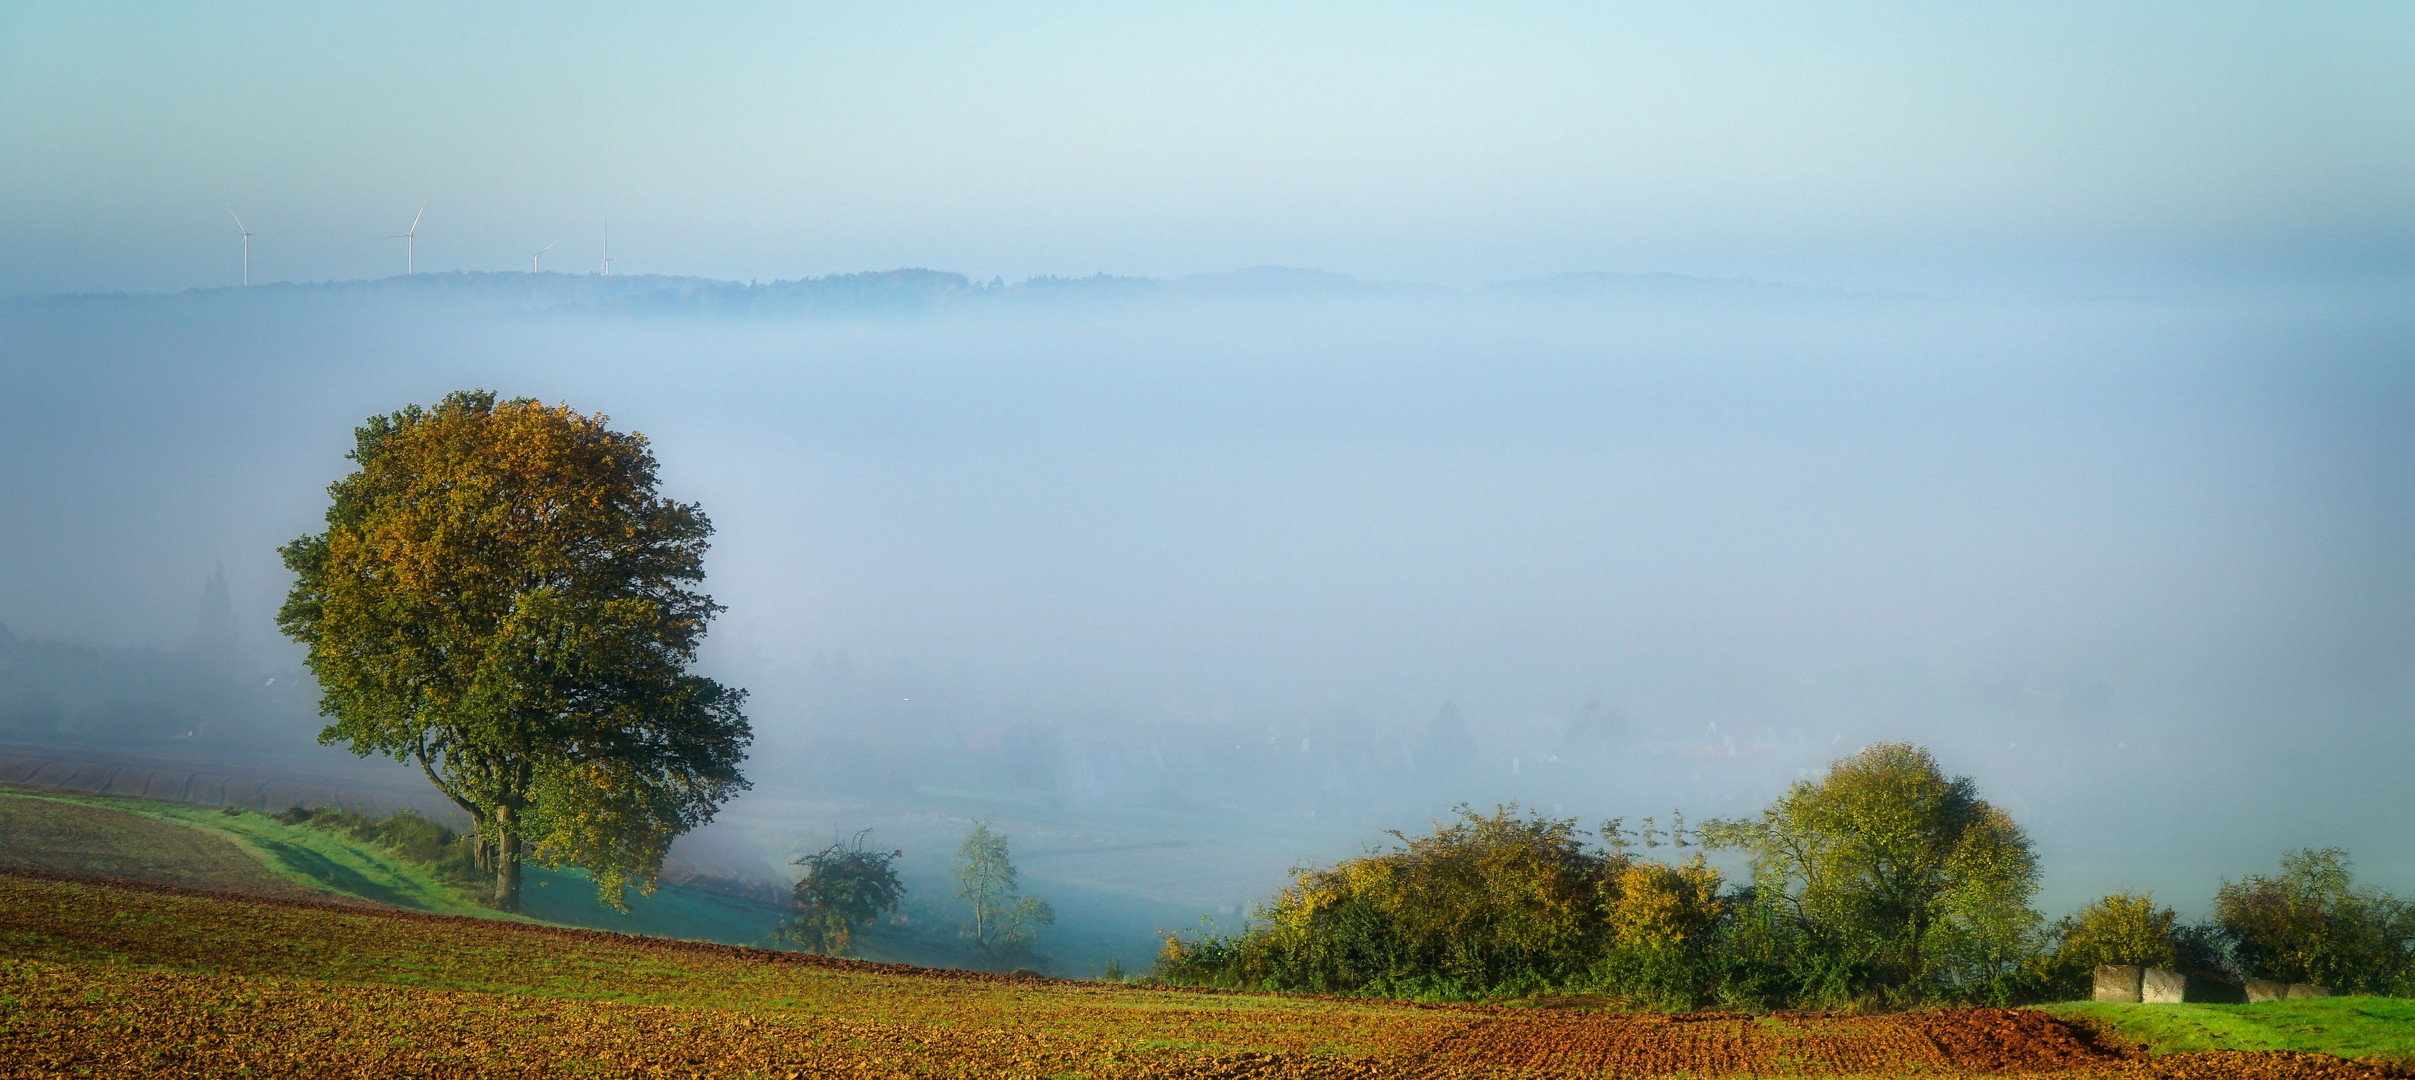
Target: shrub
{"points": [[1885, 882], [1665, 923], [450, 857], [1488, 905], [2120, 928], [1657, 908]]}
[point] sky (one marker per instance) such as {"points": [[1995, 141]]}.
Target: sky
{"points": [[2032, 146]]}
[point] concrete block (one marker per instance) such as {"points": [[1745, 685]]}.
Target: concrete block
{"points": [[2307, 990], [2205, 991], [2118, 982], [2266, 990], [2160, 987]]}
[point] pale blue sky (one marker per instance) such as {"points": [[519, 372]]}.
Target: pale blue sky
{"points": [[1908, 144]]}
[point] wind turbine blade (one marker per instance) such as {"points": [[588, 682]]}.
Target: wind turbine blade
{"points": [[238, 222], [423, 212]]}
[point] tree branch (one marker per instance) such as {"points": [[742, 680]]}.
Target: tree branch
{"points": [[421, 752]]}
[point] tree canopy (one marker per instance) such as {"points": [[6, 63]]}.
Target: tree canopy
{"points": [[503, 597], [1908, 876], [1004, 923], [2312, 923], [1883, 883], [1486, 904], [2121, 928]]}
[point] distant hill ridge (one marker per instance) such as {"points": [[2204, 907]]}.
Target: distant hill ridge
{"points": [[915, 290]]}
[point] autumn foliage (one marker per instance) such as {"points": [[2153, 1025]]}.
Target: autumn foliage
{"points": [[2312, 923], [1487, 904], [1885, 881], [503, 598]]}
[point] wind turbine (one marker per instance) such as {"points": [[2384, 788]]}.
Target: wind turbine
{"points": [[607, 247], [540, 253], [411, 253], [247, 249]]}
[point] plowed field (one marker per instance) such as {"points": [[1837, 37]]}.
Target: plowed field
{"points": [[114, 980], [1717, 1044], [70, 839]]}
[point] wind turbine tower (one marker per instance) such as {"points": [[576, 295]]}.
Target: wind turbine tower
{"points": [[411, 252], [607, 247], [247, 249], [540, 254]]}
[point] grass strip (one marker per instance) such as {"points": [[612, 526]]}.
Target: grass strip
{"points": [[2373, 1028]]}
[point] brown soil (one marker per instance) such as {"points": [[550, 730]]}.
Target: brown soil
{"points": [[1943, 1042], [1960, 1041]]}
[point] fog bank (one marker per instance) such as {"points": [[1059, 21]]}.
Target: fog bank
{"points": [[1264, 570]]}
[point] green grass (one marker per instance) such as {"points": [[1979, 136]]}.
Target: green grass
{"points": [[2355, 1027], [298, 854], [567, 896], [68, 838], [1092, 924], [328, 861]]}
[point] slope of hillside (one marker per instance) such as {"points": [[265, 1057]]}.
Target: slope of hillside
{"points": [[62, 837], [172, 843], [226, 849], [177, 843]]}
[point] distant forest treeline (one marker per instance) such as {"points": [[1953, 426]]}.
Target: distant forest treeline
{"points": [[915, 291]]}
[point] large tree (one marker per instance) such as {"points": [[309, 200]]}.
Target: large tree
{"points": [[1889, 865], [503, 597]]}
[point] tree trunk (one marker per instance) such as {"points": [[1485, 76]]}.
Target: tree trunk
{"points": [[507, 861], [480, 856]]}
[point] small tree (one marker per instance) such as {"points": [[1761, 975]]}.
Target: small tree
{"points": [[503, 598], [845, 888], [1891, 869], [2310, 923], [1004, 924]]}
